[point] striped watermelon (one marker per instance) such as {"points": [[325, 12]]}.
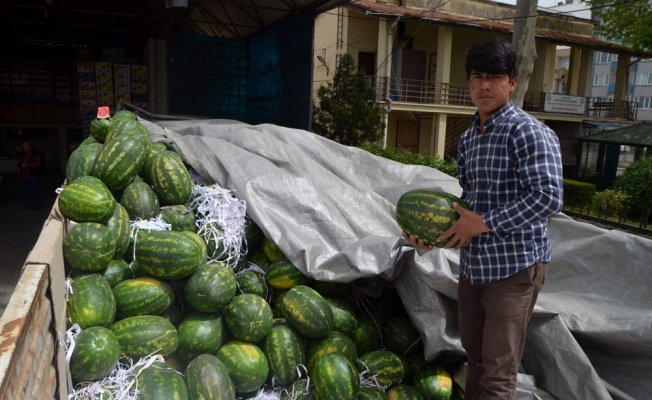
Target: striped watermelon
{"points": [[246, 363], [143, 335], [301, 389], [87, 199], [271, 250], [140, 200], [253, 282], [89, 246], [307, 312], [124, 114], [180, 217], [210, 288], [404, 392], [336, 378], [120, 160], [117, 271], [248, 317], [125, 126], [366, 336], [335, 342], [119, 224], [99, 127], [169, 254], [285, 351], [434, 382], [160, 381], [170, 178], [208, 378], [344, 319], [95, 354], [81, 161], [200, 333], [142, 296], [385, 365], [91, 302], [372, 393], [400, 335], [427, 213], [282, 274]]}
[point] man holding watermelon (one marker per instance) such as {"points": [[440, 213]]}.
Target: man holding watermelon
{"points": [[510, 171]]}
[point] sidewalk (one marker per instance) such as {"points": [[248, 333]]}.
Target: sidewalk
{"points": [[19, 229]]}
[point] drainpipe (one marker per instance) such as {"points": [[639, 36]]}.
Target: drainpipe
{"points": [[388, 100]]}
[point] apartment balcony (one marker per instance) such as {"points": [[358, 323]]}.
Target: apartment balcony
{"points": [[451, 94]]}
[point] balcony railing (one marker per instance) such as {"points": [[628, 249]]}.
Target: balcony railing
{"points": [[441, 93]]}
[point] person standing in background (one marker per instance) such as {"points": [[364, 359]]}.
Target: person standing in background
{"points": [[510, 171], [30, 165]]}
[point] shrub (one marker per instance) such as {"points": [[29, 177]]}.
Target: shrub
{"points": [[610, 203], [578, 194], [636, 182], [407, 157]]}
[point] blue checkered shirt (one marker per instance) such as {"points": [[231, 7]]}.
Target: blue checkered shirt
{"points": [[511, 175]]}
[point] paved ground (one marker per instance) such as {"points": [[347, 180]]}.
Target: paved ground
{"points": [[19, 228]]}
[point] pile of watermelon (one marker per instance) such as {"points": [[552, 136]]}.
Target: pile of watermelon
{"points": [[210, 325]]}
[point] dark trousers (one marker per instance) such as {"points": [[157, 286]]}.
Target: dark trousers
{"points": [[32, 191], [493, 324]]}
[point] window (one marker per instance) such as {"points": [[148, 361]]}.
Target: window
{"points": [[614, 57], [612, 80], [596, 80], [605, 79], [640, 78], [644, 102], [649, 79]]}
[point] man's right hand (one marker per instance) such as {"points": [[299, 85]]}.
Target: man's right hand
{"points": [[416, 243]]}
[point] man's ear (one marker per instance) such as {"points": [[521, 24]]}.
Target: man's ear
{"points": [[513, 83]]}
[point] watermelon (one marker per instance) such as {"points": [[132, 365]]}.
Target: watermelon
{"points": [[210, 288], [253, 235], [307, 312], [371, 393], [120, 225], [124, 114], [404, 392], [427, 213], [208, 378], [434, 382], [95, 354], [285, 352], [344, 319], [259, 259], [336, 378], [116, 272], [200, 333], [253, 282], [169, 254], [170, 178], [89, 246], [143, 335], [301, 389], [120, 160], [282, 274], [400, 335], [146, 171], [140, 201], [160, 381], [125, 126], [99, 127], [385, 365], [87, 199], [81, 161], [180, 217], [335, 342], [366, 336], [249, 317], [91, 302], [271, 250], [142, 296], [246, 364]]}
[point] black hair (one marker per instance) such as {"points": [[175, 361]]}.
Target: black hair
{"points": [[493, 56]]}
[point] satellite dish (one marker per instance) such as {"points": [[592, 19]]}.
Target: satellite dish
{"points": [[562, 73]]}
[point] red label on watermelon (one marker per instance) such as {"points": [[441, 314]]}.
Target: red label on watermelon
{"points": [[103, 112]]}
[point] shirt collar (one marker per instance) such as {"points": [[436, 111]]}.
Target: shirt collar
{"points": [[495, 117]]}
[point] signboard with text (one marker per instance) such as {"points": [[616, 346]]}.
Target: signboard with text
{"points": [[562, 103]]}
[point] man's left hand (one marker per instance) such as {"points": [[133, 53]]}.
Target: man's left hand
{"points": [[468, 226]]}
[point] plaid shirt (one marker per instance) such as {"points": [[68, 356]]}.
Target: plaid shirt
{"points": [[512, 176]]}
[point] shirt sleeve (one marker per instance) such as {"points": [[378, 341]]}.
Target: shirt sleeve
{"points": [[537, 158]]}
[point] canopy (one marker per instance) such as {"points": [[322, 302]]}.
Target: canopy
{"points": [[330, 208]]}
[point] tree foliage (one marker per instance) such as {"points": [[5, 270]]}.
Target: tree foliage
{"points": [[348, 112], [636, 182], [629, 21]]}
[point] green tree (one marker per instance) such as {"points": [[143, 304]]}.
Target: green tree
{"points": [[636, 182], [348, 112], [629, 21]]}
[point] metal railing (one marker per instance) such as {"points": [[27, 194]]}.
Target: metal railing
{"points": [[442, 93]]}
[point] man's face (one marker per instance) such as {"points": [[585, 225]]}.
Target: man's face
{"points": [[490, 92], [26, 146]]}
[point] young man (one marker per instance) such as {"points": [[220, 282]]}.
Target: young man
{"points": [[30, 164], [510, 171]]}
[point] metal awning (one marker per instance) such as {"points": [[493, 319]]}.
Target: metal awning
{"points": [[634, 135]]}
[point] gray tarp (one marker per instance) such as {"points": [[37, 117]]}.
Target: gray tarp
{"points": [[330, 208]]}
